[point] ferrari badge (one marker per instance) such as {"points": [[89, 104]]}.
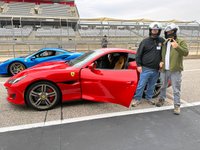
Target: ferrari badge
{"points": [[72, 74]]}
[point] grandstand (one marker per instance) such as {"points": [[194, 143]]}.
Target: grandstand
{"points": [[28, 25]]}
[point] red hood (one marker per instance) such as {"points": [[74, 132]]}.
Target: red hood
{"points": [[48, 66], [50, 63]]}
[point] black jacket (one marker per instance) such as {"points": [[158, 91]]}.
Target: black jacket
{"points": [[149, 53]]}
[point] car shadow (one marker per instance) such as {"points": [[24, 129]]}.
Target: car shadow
{"points": [[5, 76], [78, 103], [23, 108]]}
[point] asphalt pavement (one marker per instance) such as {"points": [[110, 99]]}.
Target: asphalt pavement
{"points": [[153, 131]]}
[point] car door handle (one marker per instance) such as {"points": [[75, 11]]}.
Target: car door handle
{"points": [[129, 82]]}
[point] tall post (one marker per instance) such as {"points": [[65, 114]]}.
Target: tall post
{"points": [[60, 46], [13, 36], [198, 37], [22, 36]]}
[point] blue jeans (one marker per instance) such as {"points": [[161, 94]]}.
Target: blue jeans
{"points": [[148, 77]]}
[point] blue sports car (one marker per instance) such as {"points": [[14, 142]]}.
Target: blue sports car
{"points": [[16, 65]]}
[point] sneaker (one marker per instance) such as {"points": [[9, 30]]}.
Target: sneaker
{"points": [[135, 103], [177, 110], [151, 102], [160, 102]]}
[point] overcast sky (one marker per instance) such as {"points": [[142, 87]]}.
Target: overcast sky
{"points": [[185, 10]]}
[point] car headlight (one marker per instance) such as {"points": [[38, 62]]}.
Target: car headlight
{"points": [[13, 81]]}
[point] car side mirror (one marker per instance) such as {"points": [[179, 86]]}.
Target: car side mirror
{"points": [[33, 58], [132, 65], [92, 66], [65, 57]]}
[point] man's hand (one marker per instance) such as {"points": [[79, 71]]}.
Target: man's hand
{"points": [[139, 69], [161, 65], [174, 43]]}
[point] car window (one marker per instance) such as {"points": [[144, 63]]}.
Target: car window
{"points": [[46, 53], [117, 60], [131, 57], [41, 53], [59, 53], [80, 61], [37, 55], [111, 61]]}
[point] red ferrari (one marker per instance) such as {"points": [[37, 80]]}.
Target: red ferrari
{"points": [[103, 75]]}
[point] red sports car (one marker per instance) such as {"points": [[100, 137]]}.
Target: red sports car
{"points": [[103, 75]]}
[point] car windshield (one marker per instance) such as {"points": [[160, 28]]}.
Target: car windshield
{"points": [[34, 53], [80, 61]]}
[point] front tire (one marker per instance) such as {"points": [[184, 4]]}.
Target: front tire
{"points": [[16, 67], [43, 95]]}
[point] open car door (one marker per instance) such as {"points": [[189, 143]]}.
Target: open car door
{"points": [[108, 85]]}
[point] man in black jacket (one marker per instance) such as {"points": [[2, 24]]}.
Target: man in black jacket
{"points": [[148, 60]]}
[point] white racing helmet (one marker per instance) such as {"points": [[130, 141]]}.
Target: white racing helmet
{"points": [[155, 26], [171, 27]]}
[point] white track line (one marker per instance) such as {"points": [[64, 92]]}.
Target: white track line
{"points": [[93, 117], [191, 70]]}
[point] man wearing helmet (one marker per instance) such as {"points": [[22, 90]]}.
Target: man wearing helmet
{"points": [[148, 58], [173, 51]]}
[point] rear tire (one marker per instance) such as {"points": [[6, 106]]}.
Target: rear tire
{"points": [[156, 91]]}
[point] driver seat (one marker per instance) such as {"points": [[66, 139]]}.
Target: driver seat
{"points": [[120, 63]]}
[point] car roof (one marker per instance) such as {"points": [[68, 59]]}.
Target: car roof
{"points": [[56, 49], [110, 50]]}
